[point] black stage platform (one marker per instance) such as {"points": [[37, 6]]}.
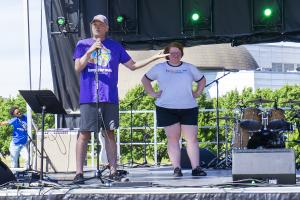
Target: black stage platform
{"points": [[153, 183]]}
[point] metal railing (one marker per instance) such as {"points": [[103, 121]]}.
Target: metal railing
{"points": [[153, 127]]}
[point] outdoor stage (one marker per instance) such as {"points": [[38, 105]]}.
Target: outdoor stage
{"points": [[156, 183]]}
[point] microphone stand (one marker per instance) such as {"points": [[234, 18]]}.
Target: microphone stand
{"points": [[145, 142], [99, 172], [217, 113]]}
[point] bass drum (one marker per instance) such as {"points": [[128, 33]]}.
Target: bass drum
{"points": [[251, 119], [266, 139], [240, 138], [276, 120]]}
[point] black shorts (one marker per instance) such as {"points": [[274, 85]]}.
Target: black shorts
{"points": [[108, 116], [167, 116]]}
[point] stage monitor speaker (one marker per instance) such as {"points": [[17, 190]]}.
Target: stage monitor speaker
{"points": [[59, 150], [207, 158], [5, 174], [275, 166]]}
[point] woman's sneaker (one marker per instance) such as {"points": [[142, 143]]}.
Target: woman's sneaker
{"points": [[198, 172], [78, 179], [177, 172]]}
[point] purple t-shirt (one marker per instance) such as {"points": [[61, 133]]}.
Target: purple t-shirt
{"points": [[109, 58]]}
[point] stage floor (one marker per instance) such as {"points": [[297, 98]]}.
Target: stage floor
{"points": [[154, 183]]}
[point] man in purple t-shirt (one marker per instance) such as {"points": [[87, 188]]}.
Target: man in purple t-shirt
{"points": [[102, 56]]}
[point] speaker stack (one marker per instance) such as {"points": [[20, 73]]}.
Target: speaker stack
{"points": [[275, 166]]}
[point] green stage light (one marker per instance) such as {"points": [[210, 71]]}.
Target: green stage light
{"points": [[195, 17], [268, 12], [120, 19], [61, 21]]}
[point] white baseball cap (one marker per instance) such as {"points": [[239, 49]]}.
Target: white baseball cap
{"points": [[100, 18]]}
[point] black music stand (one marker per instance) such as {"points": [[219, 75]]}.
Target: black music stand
{"points": [[42, 101]]}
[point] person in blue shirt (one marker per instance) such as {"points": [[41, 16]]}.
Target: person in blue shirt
{"points": [[18, 145]]}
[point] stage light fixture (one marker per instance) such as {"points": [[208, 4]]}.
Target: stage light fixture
{"points": [[120, 19], [64, 26], [196, 16], [267, 15], [268, 12], [61, 21], [124, 15]]}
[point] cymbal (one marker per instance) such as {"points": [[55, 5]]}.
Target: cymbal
{"points": [[224, 118], [290, 101], [260, 101]]}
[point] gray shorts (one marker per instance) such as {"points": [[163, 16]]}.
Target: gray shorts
{"points": [[108, 117]]}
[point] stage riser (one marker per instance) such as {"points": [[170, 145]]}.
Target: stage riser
{"points": [[162, 196], [284, 178]]}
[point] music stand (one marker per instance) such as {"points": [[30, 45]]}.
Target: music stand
{"points": [[42, 101]]}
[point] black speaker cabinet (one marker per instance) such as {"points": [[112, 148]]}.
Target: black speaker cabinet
{"points": [[5, 174], [271, 165], [207, 159]]}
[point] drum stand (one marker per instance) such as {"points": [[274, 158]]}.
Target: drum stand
{"points": [[217, 113], [225, 162], [145, 143], [264, 119]]}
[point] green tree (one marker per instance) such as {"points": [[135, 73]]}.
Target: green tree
{"points": [[6, 131]]}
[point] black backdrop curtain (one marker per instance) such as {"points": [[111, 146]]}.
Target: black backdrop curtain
{"points": [[150, 24]]}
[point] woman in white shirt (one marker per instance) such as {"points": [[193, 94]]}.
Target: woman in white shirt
{"points": [[176, 105]]}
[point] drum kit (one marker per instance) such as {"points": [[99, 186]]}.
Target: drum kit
{"points": [[258, 127]]}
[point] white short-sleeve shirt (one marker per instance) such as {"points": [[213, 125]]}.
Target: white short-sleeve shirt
{"points": [[175, 82]]}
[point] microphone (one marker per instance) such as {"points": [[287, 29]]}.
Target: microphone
{"points": [[99, 49], [99, 52]]}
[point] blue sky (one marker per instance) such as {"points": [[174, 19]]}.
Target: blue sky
{"points": [[14, 75]]}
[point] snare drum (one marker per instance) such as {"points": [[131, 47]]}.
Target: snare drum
{"points": [[251, 119], [276, 119]]}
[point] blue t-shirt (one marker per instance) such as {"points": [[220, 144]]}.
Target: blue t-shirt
{"points": [[19, 134], [109, 58]]}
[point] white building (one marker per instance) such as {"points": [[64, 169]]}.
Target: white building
{"points": [[277, 66], [260, 66]]}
